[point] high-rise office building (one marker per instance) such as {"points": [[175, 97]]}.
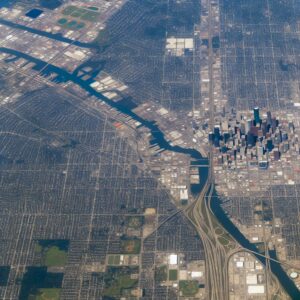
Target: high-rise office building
{"points": [[248, 126], [269, 118], [256, 115]]}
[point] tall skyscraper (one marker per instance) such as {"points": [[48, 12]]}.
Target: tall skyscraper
{"points": [[248, 125], [269, 118], [217, 131], [256, 115]]}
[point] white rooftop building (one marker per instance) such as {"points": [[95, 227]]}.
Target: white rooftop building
{"points": [[256, 289], [173, 259]]}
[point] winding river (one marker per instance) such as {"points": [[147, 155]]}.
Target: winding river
{"points": [[158, 138]]}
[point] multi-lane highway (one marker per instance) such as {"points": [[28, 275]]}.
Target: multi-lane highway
{"points": [[199, 213], [215, 253], [218, 244]]}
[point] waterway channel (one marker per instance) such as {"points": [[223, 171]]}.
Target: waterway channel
{"points": [[159, 139], [49, 35]]}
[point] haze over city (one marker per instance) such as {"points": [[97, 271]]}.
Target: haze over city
{"points": [[149, 149]]}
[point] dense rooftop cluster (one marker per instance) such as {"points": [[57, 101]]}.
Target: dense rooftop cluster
{"points": [[257, 140]]}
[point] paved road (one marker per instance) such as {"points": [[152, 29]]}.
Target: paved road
{"points": [[198, 212], [201, 215], [215, 254]]}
